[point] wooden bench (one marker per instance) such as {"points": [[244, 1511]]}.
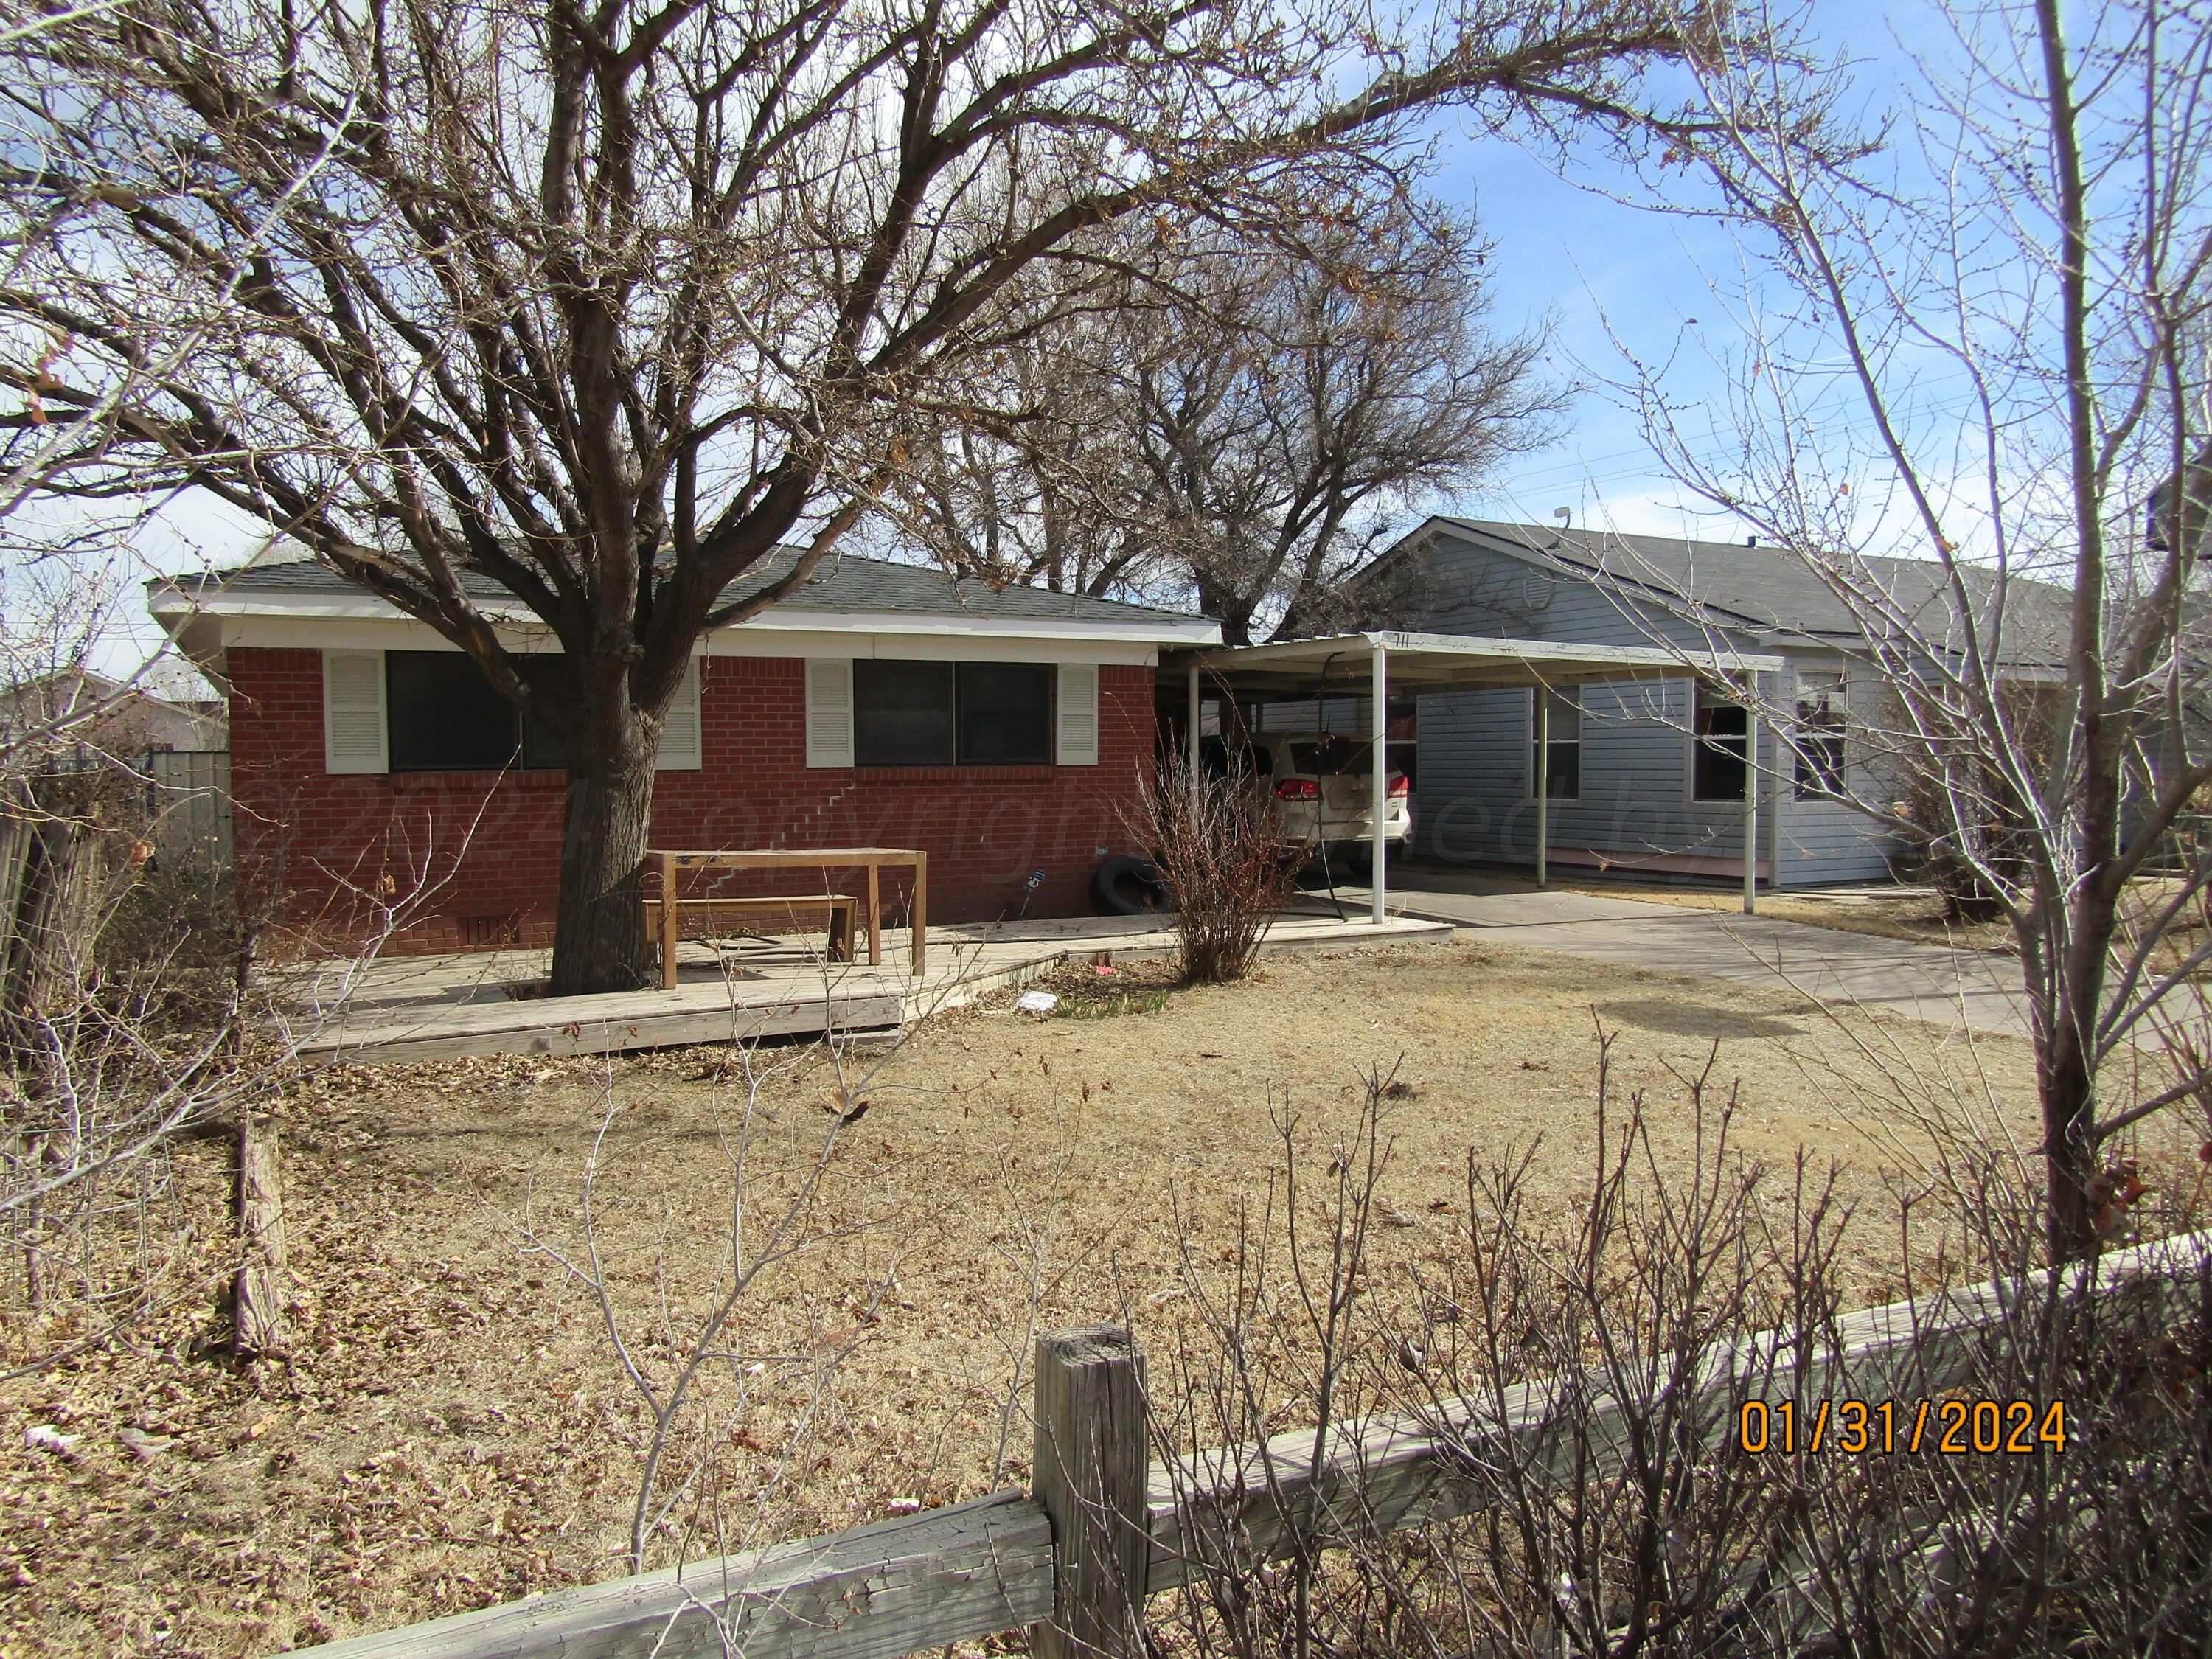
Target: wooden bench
{"points": [[842, 907], [670, 863]]}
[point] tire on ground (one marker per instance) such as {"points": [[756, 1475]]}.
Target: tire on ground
{"points": [[1123, 886]]}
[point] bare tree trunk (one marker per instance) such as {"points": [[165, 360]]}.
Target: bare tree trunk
{"points": [[2070, 1143], [258, 1294], [599, 932], [2067, 1078]]}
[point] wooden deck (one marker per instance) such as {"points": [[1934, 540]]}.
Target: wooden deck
{"points": [[433, 1007]]}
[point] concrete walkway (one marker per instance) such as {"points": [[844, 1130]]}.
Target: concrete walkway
{"points": [[1973, 988], [433, 1007]]}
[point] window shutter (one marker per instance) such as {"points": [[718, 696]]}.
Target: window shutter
{"points": [[829, 711], [1079, 713], [680, 745], [353, 712]]}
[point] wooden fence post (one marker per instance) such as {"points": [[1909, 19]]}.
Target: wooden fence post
{"points": [[1093, 1457], [258, 1292]]}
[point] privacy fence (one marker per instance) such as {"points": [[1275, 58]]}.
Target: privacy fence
{"points": [[1105, 1527], [188, 793], [63, 831]]}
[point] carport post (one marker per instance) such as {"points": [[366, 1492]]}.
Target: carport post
{"points": [[1378, 731], [1750, 810], [1542, 723], [1191, 759]]}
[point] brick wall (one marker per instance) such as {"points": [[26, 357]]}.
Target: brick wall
{"points": [[476, 855]]}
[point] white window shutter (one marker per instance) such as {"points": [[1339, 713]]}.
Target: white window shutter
{"points": [[353, 712], [1079, 713], [829, 711], [680, 733]]}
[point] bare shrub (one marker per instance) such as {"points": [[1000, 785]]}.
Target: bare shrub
{"points": [[1582, 1362], [1224, 859], [713, 1375], [134, 1011]]}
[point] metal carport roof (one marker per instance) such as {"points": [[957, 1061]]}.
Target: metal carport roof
{"points": [[1444, 662], [1455, 661]]}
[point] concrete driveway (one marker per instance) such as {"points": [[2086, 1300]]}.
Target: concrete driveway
{"points": [[1970, 988]]}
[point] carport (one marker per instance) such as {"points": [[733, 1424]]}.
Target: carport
{"points": [[1453, 662]]}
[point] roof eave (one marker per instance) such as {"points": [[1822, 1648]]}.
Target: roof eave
{"points": [[173, 605]]}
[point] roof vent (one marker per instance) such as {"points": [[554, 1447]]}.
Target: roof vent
{"points": [[1751, 541]]}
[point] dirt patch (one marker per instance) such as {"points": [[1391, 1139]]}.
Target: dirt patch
{"points": [[452, 1432]]}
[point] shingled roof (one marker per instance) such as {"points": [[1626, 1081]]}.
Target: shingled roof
{"points": [[1772, 590], [844, 583]]}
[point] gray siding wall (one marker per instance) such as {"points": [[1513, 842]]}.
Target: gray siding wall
{"points": [[1473, 802]]}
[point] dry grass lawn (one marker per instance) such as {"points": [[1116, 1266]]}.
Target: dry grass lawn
{"points": [[1912, 914], [452, 1430]]}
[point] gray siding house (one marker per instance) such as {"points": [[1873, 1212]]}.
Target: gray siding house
{"points": [[1651, 779]]}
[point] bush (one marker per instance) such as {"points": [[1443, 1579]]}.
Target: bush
{"points": [[1595, 1497], [1223, 859], [1971, 857]]}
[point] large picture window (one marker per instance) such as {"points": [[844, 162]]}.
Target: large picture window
{"points": [[1563, 774], [444, 716], [942, 714], [1721, 759]]}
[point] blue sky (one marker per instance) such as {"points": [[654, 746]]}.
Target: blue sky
{"points": [[1568, 262], [1575, 259]]}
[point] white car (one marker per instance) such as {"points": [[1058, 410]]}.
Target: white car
{"points": [[1323, 783]]}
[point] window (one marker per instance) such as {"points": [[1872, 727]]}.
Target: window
{"points": [[903, 714], [1563, 781], [445, 717], [1005, 713], [1721, 767], [942, 714], [1818, 739]]}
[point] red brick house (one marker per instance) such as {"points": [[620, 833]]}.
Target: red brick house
{"points": [[1001, 731]]}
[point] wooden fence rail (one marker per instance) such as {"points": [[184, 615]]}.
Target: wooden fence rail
{"points": [[1065, 1562]]}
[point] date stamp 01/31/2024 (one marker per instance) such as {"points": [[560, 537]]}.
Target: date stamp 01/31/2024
{"points": [[1955, 1427]]}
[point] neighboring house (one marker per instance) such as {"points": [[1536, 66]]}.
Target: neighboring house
{"points": [[1651, 779], [77, 710], [1004, 731]]}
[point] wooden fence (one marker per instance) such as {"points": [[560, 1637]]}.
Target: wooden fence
{"points": [[1072, 1561], [189, 795]]}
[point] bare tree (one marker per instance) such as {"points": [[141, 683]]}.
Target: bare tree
{"points": [[583, 315], [2017, 305], [1246, 430], [1035, 481]]}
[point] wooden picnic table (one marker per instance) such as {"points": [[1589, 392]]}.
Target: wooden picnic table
{"points": [[872, 859]]}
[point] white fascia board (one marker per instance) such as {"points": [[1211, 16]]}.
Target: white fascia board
{"points": [[947, 647], [1628, 656], [386, 633], [168, 599], [336, 620], [1165, 631]]}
